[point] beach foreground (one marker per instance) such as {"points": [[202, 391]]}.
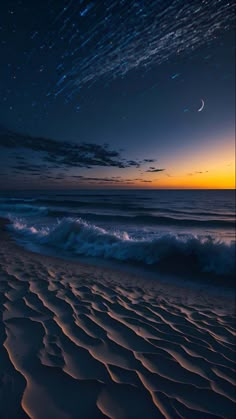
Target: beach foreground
{"points": [[85, 342]]}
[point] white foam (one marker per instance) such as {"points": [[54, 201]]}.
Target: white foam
{"points": [[79, 237]]}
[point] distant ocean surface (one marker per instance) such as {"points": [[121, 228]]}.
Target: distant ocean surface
{"points": [[155, 229]]}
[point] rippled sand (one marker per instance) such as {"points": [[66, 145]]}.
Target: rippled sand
{"points": [[83, 342]]}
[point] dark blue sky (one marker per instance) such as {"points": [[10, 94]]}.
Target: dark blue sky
{"points": [[131, 74]]}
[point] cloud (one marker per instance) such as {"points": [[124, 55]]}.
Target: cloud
{"points": [[53, 154], [197, 173], [113, 179], [29, 168], [24, 158], [154, 170]]}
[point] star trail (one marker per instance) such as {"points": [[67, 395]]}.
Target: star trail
{"points": [[128, 73], [101, 41], [109, 39]]}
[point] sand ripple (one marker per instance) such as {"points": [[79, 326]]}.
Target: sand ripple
{"points": [[80, 343]]}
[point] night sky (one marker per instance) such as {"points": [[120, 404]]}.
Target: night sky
{"points": [[117, 94]]}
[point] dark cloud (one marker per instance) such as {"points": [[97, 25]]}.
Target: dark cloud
{"points": [[153, 170], [57, 154], [102, 179], [29, 168], [113, 179]]}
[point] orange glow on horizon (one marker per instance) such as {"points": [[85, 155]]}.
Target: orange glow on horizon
{"points": [[211, 168], [208, 167], [199, 181]]}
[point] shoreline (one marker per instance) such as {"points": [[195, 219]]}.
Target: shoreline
{"points": [[78, 339], [179, 278]]}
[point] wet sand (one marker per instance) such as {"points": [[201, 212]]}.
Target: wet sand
{"points": [[78, 341]]}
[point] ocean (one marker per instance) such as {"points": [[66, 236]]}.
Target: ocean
{"points": [[178, 231]]}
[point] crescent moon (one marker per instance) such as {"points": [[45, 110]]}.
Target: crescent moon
{"points": [[202, 106]]}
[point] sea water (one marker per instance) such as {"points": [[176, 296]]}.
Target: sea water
{"points": [[158, 229]]}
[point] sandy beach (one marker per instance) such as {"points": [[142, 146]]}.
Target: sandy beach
{"points": [[117, 209], [85, 342]]}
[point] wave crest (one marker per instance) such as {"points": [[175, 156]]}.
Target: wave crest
{"points": [[81, 238]]}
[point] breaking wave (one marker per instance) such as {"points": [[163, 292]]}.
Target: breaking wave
{"points": [[79, 237]]}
